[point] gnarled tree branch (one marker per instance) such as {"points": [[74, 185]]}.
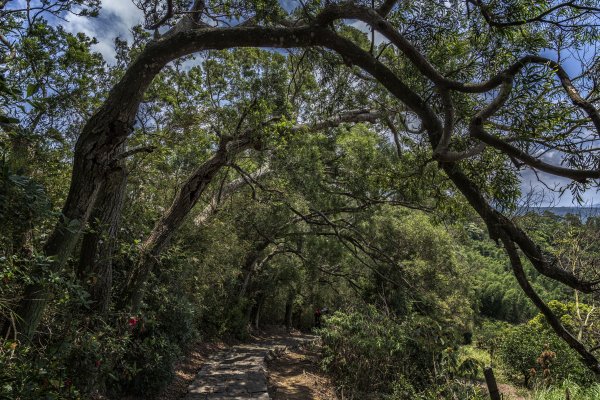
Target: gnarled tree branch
{"points": [[587, 357], [541, 17]]}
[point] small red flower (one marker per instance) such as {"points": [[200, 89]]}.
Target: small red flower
{"points": [[132, 321], [69, 382], [98, 363]]}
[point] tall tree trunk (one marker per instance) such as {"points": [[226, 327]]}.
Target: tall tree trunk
{"points": [[260, 301], [96, 149], [98, 244], [57, 250], [289, 308], [187, 196], [249, 267]]}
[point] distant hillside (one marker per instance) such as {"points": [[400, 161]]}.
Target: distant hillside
{"points": [[583, 212]]}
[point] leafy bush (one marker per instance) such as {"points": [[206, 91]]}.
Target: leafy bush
{"points": [[454, 377], [158, 337], [489, 336], [370, 352], [520, 353], [28, 374], [363, 351], [148, 365]]}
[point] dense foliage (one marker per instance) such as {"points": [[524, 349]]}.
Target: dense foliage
{"points": [[241, 164]]}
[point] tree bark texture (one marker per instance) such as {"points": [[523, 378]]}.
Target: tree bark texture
{"points": [[98, 243], [492, 386]]}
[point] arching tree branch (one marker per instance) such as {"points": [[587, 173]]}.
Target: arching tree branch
{"points": [[587, 357], [575, 174], [494, 21]]}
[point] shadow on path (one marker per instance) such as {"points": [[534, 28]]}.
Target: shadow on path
{"points": [[240, 372], [295, 375]]}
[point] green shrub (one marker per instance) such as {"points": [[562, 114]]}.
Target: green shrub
{"points": [[159, 336], [368, 351], [225, 319], [148, 365], [362, 351], [489, 336], [522, 346], [28, 374], [92, 356], [445, 388]]}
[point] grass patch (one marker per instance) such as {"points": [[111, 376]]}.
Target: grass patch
{"points": [[576, 392]]}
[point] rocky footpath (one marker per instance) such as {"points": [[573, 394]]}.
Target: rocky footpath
{"points": [[240, 372]]}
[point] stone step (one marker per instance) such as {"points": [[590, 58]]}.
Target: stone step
{"points": [[239, 373]]}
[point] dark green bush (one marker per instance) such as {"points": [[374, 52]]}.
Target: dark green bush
{"points": [[148, 365], [370, 354], [28, 374], [159, 336], [368, 351]]}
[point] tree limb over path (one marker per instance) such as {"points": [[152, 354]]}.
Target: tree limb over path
{"points": [[108, 129], [196, 184]]}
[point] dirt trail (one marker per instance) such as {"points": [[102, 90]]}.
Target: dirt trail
{"points": [[187, 369], [508, 391], [234, 372], [277, 366], [238, 373], [295, 375]]}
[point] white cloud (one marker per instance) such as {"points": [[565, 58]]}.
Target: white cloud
{"points": [[116, 19], [551, 185], [545, 189]]}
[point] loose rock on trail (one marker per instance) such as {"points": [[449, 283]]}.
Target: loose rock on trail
{"points": [[240, 372]]}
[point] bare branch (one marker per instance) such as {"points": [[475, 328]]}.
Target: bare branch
{"points": [[228, 190], [369, 16], [168, 15], [454, 156], [577, 175], [498, 101], [355, 116], [395, 135], [442, 146], [130, 152], [197, 9], [498, 225]]}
